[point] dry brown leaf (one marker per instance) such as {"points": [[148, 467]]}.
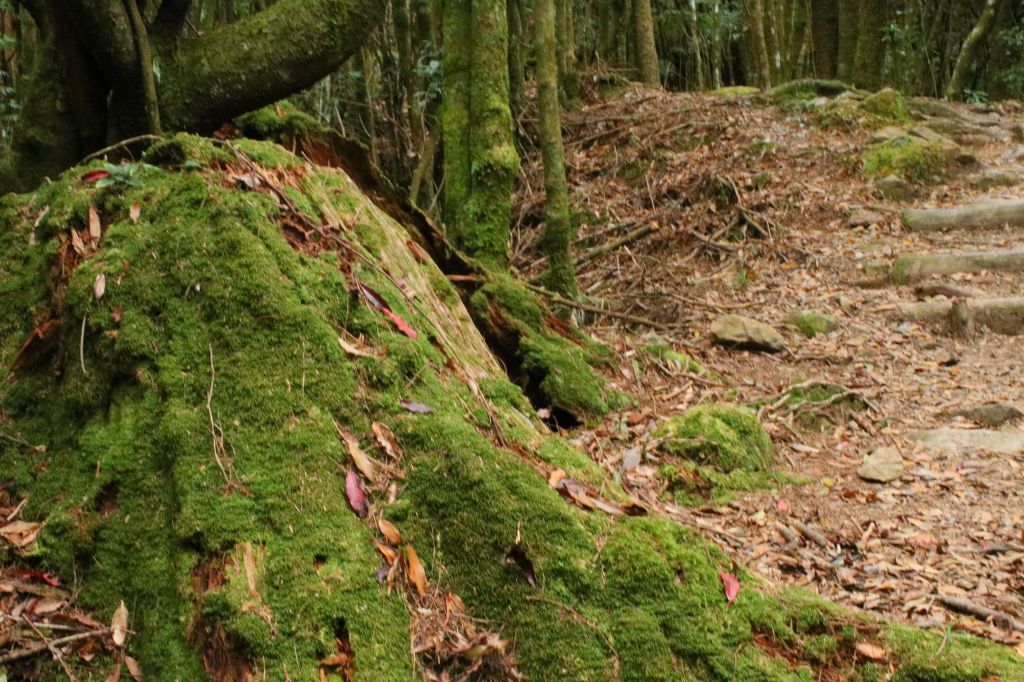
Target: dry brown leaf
{"points": [[115, 674], [361, 460], [134, 212], [389, 531], [353, 349], [119, 625], [20, 533], [387, 440], [76, 242], [94, 226], [388, 553], [99, 286], [416, 573], [870, 651], [556, 478], [249, 561], [134, 669]]}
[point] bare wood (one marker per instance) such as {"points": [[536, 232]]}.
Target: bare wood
{"points": [[625, 239], [979, 214], [967, 607], [812, 534]]}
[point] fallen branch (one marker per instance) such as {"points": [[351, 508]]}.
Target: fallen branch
{"points": [[32, 651], [812, 534], [969, 608], [984, 213]]}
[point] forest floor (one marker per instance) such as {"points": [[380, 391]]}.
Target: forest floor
{"points": [[736, 205]]}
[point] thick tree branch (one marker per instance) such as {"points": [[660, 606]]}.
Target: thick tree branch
{"points": [[170, 18], [261, 59], [106, 30]]}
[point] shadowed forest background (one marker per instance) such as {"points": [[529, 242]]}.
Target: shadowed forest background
{"points": [[511, 340]]}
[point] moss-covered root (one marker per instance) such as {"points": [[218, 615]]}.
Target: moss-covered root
{"points": [[192, 467], [725, 437], [552, 360]]}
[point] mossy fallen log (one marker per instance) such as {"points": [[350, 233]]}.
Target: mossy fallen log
{"points": [[914, 267], [190, 408], [1001, 315], [979, 214]]}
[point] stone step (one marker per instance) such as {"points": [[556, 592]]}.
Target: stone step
{"points": [[917, 266], [1001, 315], [979, 214]]}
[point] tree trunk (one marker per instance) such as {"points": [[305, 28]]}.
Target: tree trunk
{"points": [[480, 158], [848, 18], [558, 232], [516, 68], [870, 53], [971, 51], [568, 77], [757, 44], [647, 52]]}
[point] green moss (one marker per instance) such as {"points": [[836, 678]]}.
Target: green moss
{"points": [[724, 437], [734, 91], [695, 486], [909, 158], [820, 648], [951, 657], [795, 93], [811, 323], [886, 105], [663, 352], [278, 122]]}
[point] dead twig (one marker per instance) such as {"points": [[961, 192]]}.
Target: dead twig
{"points": [[969, 608]]}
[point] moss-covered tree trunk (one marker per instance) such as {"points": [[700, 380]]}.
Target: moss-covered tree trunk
{"points": [[568, 76], [646, 49], [480, 159], [825, 37], [516, 58], [971, 50], [846, 52], [558, 235]]}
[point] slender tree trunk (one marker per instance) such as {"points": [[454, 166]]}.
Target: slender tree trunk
{"points": [[758, 45], [647, 52], [568, 76], [825, 37], [846, 50], [971, 50], [870, 53], [716, 45], [516, 69], [558, 232], [407, 68], [480, 159]]}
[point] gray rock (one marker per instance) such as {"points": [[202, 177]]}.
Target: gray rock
{"points": [[995, 177], [990, 414], [896, 188], [743, 332], [928, 135], [631, 459], [864, 218], [882, 466], [957, 441], [886, 134]]}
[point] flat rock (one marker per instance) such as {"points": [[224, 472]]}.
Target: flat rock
{"points": [[864, 218], [887, 133], [882, 466], [995, 177], [743, 332], [956, 441], [893, 187], [990, 414]]}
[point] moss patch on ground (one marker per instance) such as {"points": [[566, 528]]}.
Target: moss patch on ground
{"points": [[724, 437], [695, 486], [811, 323], [909, 158], [259, 558]]}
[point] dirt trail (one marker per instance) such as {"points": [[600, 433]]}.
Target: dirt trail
{"points": [[762, 212]]}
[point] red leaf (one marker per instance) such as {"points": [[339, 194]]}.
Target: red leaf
{"points": [[355, 494], [732, 586], [401, 324], [416, 407], [95, 176]]}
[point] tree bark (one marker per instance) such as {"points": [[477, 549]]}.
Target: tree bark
{"points": [[480, 158], [757, 44], [558, 232], [971, 51], [846, 48], [647, 51], [870, 53], [516, 68], [568, 78]]}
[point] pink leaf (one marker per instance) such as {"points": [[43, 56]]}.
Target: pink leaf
{"points": [[95, 176], [355, 494], [732, 586], [401, 324], [782, 506], [416, 407]]}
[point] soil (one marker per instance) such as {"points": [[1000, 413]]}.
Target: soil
{"points": [[750, 205]]}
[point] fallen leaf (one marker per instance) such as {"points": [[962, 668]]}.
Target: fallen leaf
{"points": [[388, 553], [134, 212], [401, 324], [134, 669], [20, 533], [377, 301], [416, 407], [731, 585], [116, 314], [388, 530], [76, 243], [607, 507], [387, 440], [782, 506], [99, 286], [870, 651], [416, 572], [361, 460], [95, 230], [556, 478], [481, 646], [95, 176], [517, 556], [119, 625], [115, 674], [354, 493], [353, 349], [336, 661]]}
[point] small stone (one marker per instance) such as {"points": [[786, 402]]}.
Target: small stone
{"points": [[864, 218], [631, 459], [882, 466], [990, 414], [743, 332], [896, 188]]}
